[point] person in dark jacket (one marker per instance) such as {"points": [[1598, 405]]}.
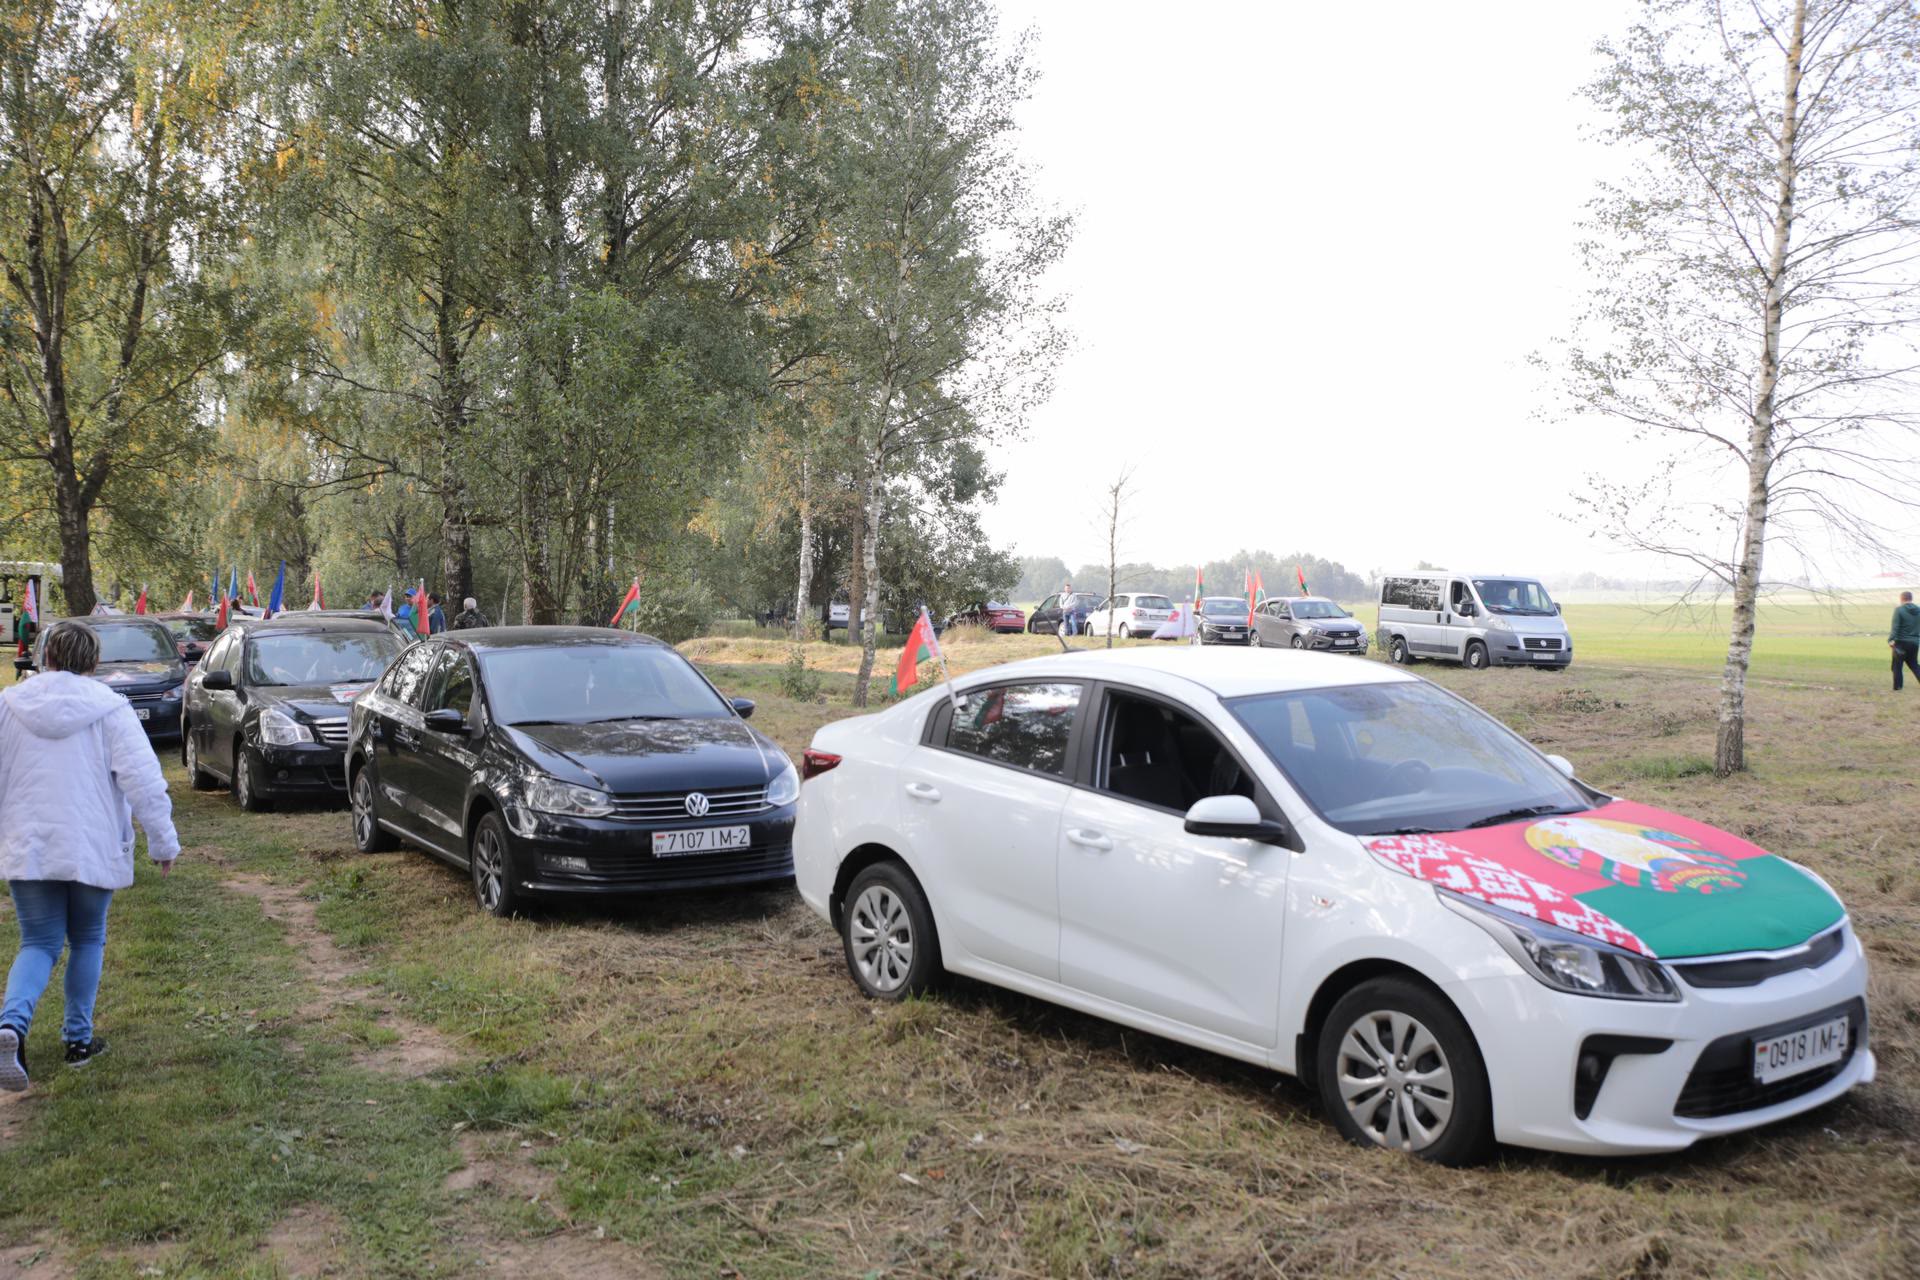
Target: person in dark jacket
{"points": [[470, 616], [436, 617], [1904, 639]]}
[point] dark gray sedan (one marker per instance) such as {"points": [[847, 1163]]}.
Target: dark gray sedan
{"points": [[1307, 622], [1223, 620]]}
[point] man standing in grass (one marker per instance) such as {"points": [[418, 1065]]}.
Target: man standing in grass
{"points": [[1904, 638]]}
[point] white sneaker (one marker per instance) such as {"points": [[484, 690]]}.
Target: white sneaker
{"points": [[13, 1061]]}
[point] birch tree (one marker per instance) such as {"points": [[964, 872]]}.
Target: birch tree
{"points": [[1759, 267]]}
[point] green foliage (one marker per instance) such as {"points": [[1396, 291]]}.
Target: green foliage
{"points": [[797, 680], [672, 610]]}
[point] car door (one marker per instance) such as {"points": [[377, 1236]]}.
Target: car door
{"points": [[1174, 925], [1046, 614], [1270, 624], [1425, 622], [1459, 616], [445, 759], [194, 701], [981, 800], [395, 729], [225, 708]]}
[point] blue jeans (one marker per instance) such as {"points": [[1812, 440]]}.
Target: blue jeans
{"points": [[53, 914]]}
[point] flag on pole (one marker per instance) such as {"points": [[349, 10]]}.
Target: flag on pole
{"points": [[213, 585], [386, 604], [140, 605], [253, 592], [31, 605], [1300, 576], [419, 601], [279, 591], [1259, 589], [628, 603], [220, 613], [319, 599], [233, 582], [922, 646], [1247, 578], [186, 606]]}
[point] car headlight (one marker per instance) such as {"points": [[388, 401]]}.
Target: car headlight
{"points": [[1567, 961], [550, 795], [1497, 623], [278, 729], [785, 788], [171, 695]]}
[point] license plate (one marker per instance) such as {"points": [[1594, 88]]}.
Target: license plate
{"points": [[1346, 642], [1798, 1052], [145, 713], [1544, 656], [674, 844]]}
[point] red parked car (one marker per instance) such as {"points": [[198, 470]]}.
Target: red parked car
{"points": [[994, 617]]}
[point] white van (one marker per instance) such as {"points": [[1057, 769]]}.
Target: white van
{"points": [[1481, 619]]}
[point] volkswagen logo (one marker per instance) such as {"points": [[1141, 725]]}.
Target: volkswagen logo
{"points": [[697, 804]]}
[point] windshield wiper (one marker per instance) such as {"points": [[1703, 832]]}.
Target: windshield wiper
{"points": [[1514, 815], [1407, 831], [621, 719]]}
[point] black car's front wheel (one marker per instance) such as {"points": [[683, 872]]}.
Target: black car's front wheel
{"points": [[246, 780], [492, 865], [197, 778], [368, 835]]}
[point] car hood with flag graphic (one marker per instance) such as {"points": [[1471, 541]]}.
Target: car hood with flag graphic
{"points": [[1627, 874]]}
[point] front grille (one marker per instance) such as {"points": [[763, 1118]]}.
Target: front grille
{"points": [[1722, 1083], [671, 806], [1753, 971], [332, 732], [1549, 643], [641, 868]]}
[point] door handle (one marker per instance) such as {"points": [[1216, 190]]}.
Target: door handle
{"points": [[1090, 840], [923, 791]]}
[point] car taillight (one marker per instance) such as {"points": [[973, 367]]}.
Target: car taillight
{"points": [[1139, 613], [814, 763]]}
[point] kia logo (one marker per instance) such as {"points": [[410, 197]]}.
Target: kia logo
{"points": [[697, 805]]}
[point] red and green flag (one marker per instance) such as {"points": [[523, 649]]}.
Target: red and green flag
{"points": [[628, 603], [421, 624], [1300, 576], [140, 605], [922, 646]]}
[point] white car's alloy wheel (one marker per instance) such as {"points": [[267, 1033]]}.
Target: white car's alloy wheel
{"points": [[880, 935], [1395, 1080]]}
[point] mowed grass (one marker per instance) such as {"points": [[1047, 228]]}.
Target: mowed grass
{"points": [[697, 1076]]}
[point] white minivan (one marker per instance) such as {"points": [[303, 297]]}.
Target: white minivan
{"points": [[1480, 619]]}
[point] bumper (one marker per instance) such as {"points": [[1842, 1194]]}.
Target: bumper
{"points": [[1329, 644], [1698, 1086], [567, 856], [160, 717], [1225, 635], [1509, 653], [305, 769]]}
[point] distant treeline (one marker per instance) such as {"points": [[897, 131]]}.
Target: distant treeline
{"points": [[1042, 575]]}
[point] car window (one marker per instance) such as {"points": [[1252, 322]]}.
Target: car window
{"points": [[1402, 757], [408, 675], [1024, 725], [216, 654], [1514, 595], [1155, 754], [1461, 594], [452, 688], [1152, 602], [1119, 602], [1048, 603]]}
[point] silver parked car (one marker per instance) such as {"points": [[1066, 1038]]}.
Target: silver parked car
{"points": [[1482, 620], [1307, 622]]}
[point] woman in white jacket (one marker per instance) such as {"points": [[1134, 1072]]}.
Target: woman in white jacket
{"points": [[75, 770]]}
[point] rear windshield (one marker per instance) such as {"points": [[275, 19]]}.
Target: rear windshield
{"points": [[1152, 602], [198, 630], [318, 657], [596, 683], [136, 644]]}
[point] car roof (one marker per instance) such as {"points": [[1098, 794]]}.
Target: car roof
{"points": [[110, 620], [1224, 672], [484, 639], [287, 622]]}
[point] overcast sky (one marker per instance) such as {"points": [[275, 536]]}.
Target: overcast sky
{"points": [[1316, 245]]}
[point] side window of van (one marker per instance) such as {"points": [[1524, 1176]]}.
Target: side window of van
{"points": [[1424, 594]]}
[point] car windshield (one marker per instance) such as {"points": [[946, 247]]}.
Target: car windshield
{"points": [[1514, 595], [1318, 609], [319, 657], [595, 683], [1403, 758], [198, 630], [149, 643], [1230, 605], [1152, 602]]}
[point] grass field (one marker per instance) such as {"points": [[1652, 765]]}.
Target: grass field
{"points": [[327, 1064]]}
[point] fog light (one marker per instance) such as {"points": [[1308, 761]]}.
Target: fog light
{"points": [[280, 774], [566, 863]]}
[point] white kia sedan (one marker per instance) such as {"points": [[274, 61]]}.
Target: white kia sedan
{"points": [[1341, 871]]}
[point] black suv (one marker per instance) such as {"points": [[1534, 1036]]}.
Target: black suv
{"points": [[266, 709], [568, 760], [139, 661]]}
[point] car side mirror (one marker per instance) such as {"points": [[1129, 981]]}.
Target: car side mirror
{"points": [[1235, 817], [1465, 609], [744, 706], [445, 720], [217, 680], [1561, 763], [1556, 608]]}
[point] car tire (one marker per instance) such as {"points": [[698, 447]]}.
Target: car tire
{"points": [[886, 914], [1398, 653], [197, 778], [490, 862], [1125, 633], [246, 781], [364, 806], [1298, 643], [1476, 656], [1390, 1029]]}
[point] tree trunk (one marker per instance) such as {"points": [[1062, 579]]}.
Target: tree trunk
{"points": [[870, 574], [1730, 744], [803, 590], [856, 573], [76, 556]]}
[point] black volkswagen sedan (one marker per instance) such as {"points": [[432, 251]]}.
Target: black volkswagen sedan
{"points": [[1223, 620], [140, 662], [266, 709], [548, 761]]}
